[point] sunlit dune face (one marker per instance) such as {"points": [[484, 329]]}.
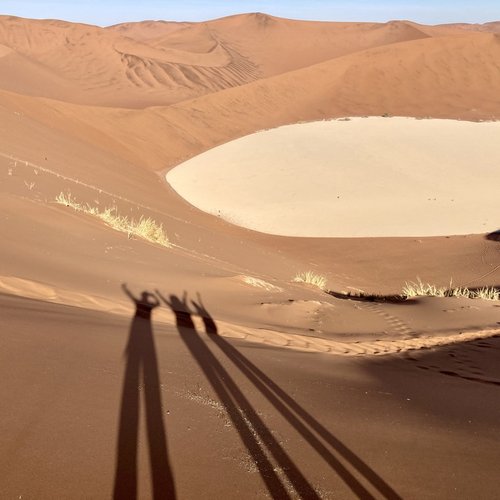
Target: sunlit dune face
{"points": [[349, 178]]}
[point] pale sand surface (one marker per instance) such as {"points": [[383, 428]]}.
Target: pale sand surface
{"points": [[357, 178]]}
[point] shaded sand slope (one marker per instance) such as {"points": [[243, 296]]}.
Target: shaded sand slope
{"points": [[324, 419]]}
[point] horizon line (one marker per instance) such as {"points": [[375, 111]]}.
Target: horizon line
{"points": [[249, 13]]}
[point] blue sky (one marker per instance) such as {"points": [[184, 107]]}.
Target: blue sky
{"points": [[106, 12]]}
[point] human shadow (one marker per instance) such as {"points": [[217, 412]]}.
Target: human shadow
{"points": [[142, 371], [314, 433], [257, 438], [300, 419]]}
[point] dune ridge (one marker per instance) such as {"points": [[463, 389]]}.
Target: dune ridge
{"points": [[160, 63]]}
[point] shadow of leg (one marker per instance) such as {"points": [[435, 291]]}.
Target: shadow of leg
{"points": [[253, 432], [126, 455], [141, 359]]}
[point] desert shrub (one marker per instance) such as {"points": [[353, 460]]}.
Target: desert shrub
{"points": [[311, 278], [145, 228], [420, 289]]}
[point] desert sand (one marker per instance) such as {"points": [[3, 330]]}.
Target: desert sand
{"points": [[200, 368], [360, 177]]}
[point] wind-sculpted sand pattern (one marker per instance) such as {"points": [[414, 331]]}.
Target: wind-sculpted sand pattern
{"points": [[146, 73], [376, 347]]}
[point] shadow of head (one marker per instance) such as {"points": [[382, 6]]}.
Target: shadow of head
{"points": [[144, 303], [148, 299], [179, 305], [201, 311]]}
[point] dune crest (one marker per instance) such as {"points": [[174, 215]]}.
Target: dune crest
{"points": [[161, 63]]}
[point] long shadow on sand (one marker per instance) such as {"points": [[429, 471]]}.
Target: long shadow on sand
{"points": [[245, 419], [310, 429], [142, 368]]}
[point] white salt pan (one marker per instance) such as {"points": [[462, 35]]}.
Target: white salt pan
{"points": [[355, 178]]}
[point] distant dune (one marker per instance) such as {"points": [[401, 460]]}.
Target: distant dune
{"points": [[159, 63]]}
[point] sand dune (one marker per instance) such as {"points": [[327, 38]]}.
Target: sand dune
{"points": [[280, 45], [105, 68], [160, 63], [448, 77], [267, 41], [276, 404], [491, 27]]}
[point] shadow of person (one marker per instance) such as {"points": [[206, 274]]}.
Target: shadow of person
{"points": [[312, 431], [208, 321], [142, 369], [256, 437]]}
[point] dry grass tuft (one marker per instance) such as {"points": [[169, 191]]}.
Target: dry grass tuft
{"points": [[420, 289], [487, 293], [145, 228], [311, 278]]}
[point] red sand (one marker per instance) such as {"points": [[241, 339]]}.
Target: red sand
{"points": [[269, 405]]}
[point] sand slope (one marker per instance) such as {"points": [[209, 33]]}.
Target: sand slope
{"points": [[306, 407]]}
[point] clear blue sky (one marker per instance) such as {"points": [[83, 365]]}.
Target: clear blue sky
{"points": [[106, 12]]}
